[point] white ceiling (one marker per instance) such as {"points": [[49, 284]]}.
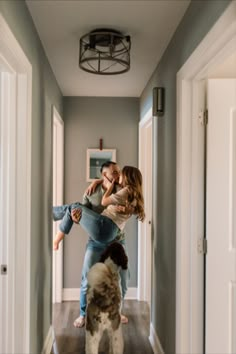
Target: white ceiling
{"points": [[61, 23]]}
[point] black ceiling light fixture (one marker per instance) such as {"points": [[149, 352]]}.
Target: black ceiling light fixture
{"points": [[105, 52]]}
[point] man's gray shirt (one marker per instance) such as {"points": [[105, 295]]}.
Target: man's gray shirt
{"points": [[93, 202]]}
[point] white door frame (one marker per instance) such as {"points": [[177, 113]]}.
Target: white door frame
{"points": [[58, 184], [15, 193], [218, 44], [144, 242]]}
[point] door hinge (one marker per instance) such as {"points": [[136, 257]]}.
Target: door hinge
{"points": [[202, 245], [203, 117]]}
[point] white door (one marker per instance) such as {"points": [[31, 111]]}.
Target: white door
{"points": [[221, 218], [58, 170], [7, 197], [145, 241], [15, 194], [148, 210]]}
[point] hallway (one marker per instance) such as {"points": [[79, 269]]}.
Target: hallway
{"points": [[72, 340], [40, 78]]}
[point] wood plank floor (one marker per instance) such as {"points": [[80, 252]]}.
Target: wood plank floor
{"points": [[72, 340]]}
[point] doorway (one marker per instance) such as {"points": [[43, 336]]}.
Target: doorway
{"points": [[218, 47], [145, 228], [58, 181], [15, 193]]}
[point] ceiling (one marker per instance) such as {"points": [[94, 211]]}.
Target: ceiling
{"points": [[61, 23]]}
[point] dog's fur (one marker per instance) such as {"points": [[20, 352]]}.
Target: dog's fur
{"points": [[104, 300]]}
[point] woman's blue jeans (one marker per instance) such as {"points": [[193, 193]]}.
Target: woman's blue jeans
{"points": [[99, 227]]}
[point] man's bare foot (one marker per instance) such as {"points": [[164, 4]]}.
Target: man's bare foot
{"points": [[124, 319], [79, 322]]}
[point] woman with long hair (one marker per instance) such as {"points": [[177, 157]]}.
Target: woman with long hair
{"points": [[103, 227]]}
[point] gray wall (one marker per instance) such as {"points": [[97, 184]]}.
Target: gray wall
{"points": [[87, 119], [198, 20], [45, 93]]}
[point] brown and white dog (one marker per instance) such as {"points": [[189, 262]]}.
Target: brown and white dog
{"points": [[104, 300]]}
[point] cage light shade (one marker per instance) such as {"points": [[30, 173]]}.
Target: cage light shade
{"points": [[105, 52]]}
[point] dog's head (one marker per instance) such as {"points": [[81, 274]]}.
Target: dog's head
{"points": [[117, 254]]}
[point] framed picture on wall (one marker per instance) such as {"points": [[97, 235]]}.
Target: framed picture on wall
{"points": [[95, 159]]}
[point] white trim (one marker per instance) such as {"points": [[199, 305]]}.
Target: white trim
{"points": [[209, 51], [218, 44], [144, 256], [155, 342], [58, 181], [48, 343], [146, 118], [17, 194], [73, 294], [57, 115]]}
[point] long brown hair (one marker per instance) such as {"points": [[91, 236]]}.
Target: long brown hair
{"points": [[132, 178]]}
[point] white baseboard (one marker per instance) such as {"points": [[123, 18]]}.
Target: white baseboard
{"points": [[132, 294], [74, 294], [48, 343], [155, 342]]}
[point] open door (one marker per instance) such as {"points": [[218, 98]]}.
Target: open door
{"points": [[15, 194], [221, 218], [145, 228], [58, 173]]}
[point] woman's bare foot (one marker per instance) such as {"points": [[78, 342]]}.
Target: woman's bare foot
{"points": [[59, 237], [79, 322], [124, 319], [55, 245]]}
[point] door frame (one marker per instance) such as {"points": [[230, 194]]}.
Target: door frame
{"points": [[16, 192], [144, 243], [217, 45], [58, 188]]}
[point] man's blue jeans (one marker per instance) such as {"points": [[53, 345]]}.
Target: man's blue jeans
{"points": [[92, 255], [100, 228]]}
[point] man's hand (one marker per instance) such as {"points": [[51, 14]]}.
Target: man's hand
{"points": [[120, 209], [76, 215], [92, 187], [125, 209]]}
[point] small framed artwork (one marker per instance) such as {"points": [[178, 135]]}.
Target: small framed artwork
{"points": [[95, 159]]}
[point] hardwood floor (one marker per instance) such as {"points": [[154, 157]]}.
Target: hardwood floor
{"points": [[72, 340]]}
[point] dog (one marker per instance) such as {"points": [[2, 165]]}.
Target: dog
{"points": [[104, 301]]}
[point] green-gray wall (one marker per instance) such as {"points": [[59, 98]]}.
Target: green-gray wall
{"points": [[87, 119], [45, 93], [197, 21]]}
